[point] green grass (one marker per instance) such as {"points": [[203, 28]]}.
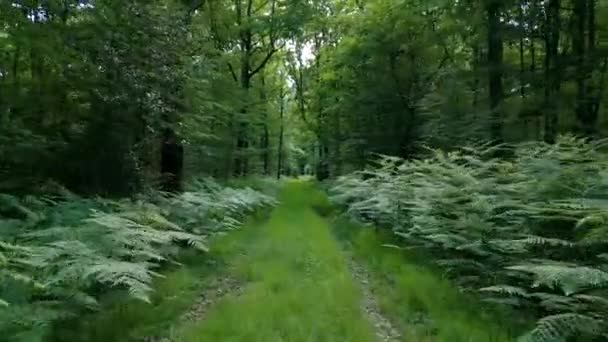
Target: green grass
{"points": [[297, 285], [422, 304]]}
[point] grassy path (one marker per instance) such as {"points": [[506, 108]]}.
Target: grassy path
{"points": [[294, 278], [296, 285]]}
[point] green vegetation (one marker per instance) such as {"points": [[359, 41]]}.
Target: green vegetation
{"points": [[527, 232], [296, 285], [424, 305], [123, 319], [68, 256], [470, 131]]}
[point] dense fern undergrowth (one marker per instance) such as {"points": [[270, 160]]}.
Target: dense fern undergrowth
{"points": [[529, 231], [60, 254]]}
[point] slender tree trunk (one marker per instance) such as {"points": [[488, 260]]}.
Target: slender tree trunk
{"points": [[532, 56], [265, 138], [281, 133], [592, 27], [323, 166], [585, 45], [584, 112], [266, 147], [538, 114], [172, 161], [552, 70], [522, 61], [495, 69], [476, 71], [12, 110], [242, 143]]}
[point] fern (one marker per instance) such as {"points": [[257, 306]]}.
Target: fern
{"points": [[58, 256], [560, 327], [534, 223], [507, 290], [570, 279]]}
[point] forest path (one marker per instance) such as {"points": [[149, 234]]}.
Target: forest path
{"points": [[296, 283]]}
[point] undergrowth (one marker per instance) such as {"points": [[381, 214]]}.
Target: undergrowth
{"points": [[528, 231], [64, 256], [416, 298]]}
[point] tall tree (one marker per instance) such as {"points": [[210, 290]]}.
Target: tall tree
{"points": [[495, 67], [552, 69]]}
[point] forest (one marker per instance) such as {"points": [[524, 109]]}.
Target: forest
{"points": [[303, 170]]}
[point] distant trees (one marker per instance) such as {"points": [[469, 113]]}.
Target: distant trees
{"points": [[441, 73], [93, 86], [112, 97]]}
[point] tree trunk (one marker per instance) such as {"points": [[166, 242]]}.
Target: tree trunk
{"points": [[495, 69], [584, 113], [522, 61], [323, 165], [242, 142], [281, 134], [265, 138], [552, 70], [172, 161], [477, 62], [266, 148]]}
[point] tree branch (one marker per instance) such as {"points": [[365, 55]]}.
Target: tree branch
{"points": [[262, 5], [236, 80], [264, 62]]}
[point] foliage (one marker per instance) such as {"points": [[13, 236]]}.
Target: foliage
{"points": [[87, 98], [295, 284], [419, 300], [61, 254], [533, 223], [387, 76]]}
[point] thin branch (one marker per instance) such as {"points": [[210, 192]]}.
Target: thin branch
{"points": [[264, 62], [249, 8], [262, 5], [236, 80]]}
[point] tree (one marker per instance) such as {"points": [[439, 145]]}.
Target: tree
{"points": [[495, 67]]}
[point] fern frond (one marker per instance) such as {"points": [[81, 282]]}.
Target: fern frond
{"points": [[567, 278], [507, 290], [560, 327], [543, 241], [135, 277]]}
